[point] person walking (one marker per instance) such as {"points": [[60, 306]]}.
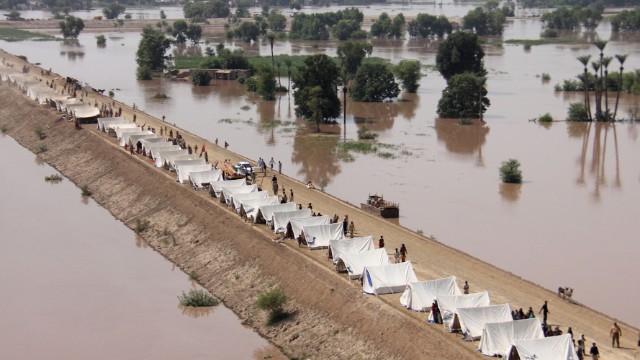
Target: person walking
{"points": [[595, 353], [396, 256], [465, 288], [291, 195], [615, 334], [352, 228], [345, 224], [545, 312], [279, 167], [580, 350], [271, 162], [381, 242], [403, 253], [274, 183]]}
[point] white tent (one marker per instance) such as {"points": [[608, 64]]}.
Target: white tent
{"points": [[170, 162], [164, 155], [420, 295], [266, 211], [449, 304], [217, 185], [549, 348], [355, 262], [473, 319], [179, 163], [356, 244], [280, 215], [298, 223], [391, 278], [499, 337], [229, 192], [318, 236], [153, 149], [103, 123], [127, 134], [201, 178], [182, 173], [113, 129], [147, 142], [239, 199], [134, 139], [250, 208], [83, 111]]}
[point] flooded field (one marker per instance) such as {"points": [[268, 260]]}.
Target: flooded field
{"points": [[572, 215], [78, 284]]}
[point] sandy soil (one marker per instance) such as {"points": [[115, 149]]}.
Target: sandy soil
{"points": [[236, 261]]}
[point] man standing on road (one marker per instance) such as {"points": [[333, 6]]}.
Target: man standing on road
{"points": [[279, 166], [465, 288], [615, 334], [545, 311], [595, 354], [403, 253], [274, 183], [271, 162]]}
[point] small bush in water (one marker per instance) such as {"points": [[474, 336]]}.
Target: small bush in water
{"points": [[510, 172], [197, 298], [53, 178], [41, 149], [86, 191], [545, 118], [141, 225]]}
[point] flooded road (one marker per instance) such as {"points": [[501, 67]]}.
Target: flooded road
{"points": [[78, 284], [572, 215]]}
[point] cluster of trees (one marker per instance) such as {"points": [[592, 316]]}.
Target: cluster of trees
{"points": [[580, 3], [151, 53], [426, 25], [251, 30], [384, 26], [223, 58], [113, 10], [198, 11], [71, 27], [565, 18], [460, 62], [485, 22], [627, 20], [182, 32], [317, 26]]}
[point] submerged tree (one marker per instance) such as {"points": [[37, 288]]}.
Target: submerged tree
{"points": [[374, 83], [464, 97], [408, 71], [152, 49], [460, 52], [315, 88], [71, 27]]}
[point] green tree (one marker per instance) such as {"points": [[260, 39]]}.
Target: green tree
{"points": [[101, 40], [397, 27], [346, 29], [562, 18], [13, 15], [408, 71], [584, 60], [71, 27], [510, 172], [288, 63], [179, 30], [194, 33], [351, 55], [484, 22], [460, 52], [426, 25], [152, 49], [621, 60], [200, 77], [374, 83], [277, 22], [315, 88], [267, 82], [113, 10], [381, 26], [464, 97], [248, 31], [207, 9]]}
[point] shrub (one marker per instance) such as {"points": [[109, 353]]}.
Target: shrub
{"points": [[200, 77], [546, 77], [273, 301], [141, 225], [101, 40], [41, 148], [86, 191], [578, 112], [53, 178], [549, 33], [251, 84], [4, 129], [127, 16], [545, 118], [241, 80], [197, 298], [160, 96], [143, 73], [510, 172], [363, 134], [40, 134]]}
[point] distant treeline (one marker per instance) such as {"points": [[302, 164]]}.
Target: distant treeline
{"points": [[582, 3]]}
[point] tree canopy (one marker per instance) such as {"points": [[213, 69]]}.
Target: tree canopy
{"points": [[626, 20], [464, 96], [315, 87], [71, 27], [374, 83], [200, 77], [408, 71], [315, 26], [384, 26], [484, 22], [426, 25], [152, 49], [204, 10], [267, 82], [564, 18], [113, 10], [351, 55], [460, 52]]}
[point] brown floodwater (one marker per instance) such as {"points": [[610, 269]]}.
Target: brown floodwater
{"points": [[569, 224], [78, 284]]}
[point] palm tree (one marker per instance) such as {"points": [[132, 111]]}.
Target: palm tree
{"points": [[600, 44], [621, 60], [288, 62], [605, 64], [595, 65], [584, 60], [272, 39]]}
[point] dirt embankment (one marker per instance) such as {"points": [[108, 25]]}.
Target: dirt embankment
{"points": [[235, 261]]}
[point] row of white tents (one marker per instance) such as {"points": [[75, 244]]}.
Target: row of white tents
{"points": [[472, 314]]}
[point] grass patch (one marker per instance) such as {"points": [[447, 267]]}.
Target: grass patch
{"points": [[536, 42], [273, 301], [141, 226], [42, 148], [160, 96], [21, 35], [364, 134], [85, 191], [245, 107], [235, 121], [358, 146], [197, 298], [386, 155], [40, 134], [53, 178]]}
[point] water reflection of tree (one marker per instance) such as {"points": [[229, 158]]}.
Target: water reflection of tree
{"points": [[462, 139], [267, 113], [376, 116], [196, 312], [594, 151], [316, 154], [510, 192]]}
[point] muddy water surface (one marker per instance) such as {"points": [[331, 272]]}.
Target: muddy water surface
{"points": [[573, 214], [78, 284]]}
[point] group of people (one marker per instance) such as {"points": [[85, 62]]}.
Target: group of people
{"points": [[263, 165]]}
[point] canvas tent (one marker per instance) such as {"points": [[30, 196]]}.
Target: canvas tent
{"points": [[163, 156], [189, 162], [266, 211], [147, 142], [355, 262], [280, 215], [134, 139], [103, 123], [127, 133], [250, 208], [318, 236], [83, 112], [355, 244], [229, 192], [202, 178], [420, 295], [182, 172], [499, 337], [473, 319], [172, 160], [153, 149], [385, 279], [298, 223], [548, 348], [217, 185], [239, 199], [113, 129], [449, 304]]}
